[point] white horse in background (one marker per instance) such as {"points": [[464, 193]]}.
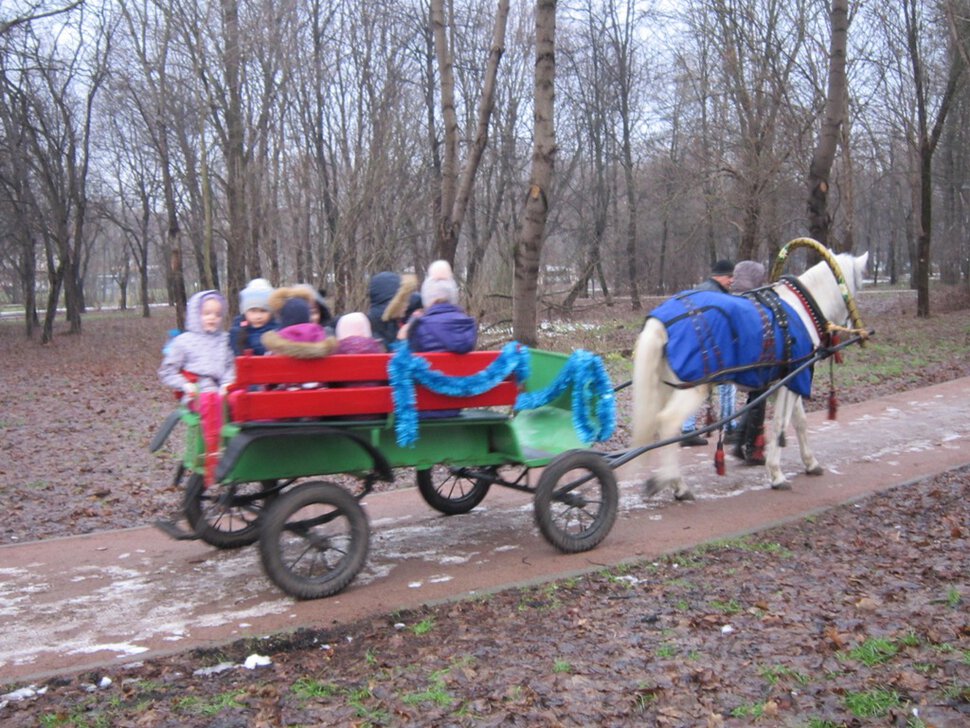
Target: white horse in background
{"points": [[659, 409]]}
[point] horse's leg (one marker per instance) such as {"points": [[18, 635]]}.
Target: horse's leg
{"points": [[784, 404], [680, 405], [800, 422], [650, 393]]}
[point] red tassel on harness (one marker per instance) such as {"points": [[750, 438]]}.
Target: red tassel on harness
{"points": [[758, 451], [834, 341], [719, 457], [833, 405]]}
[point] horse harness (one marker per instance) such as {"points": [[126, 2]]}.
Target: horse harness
{"points": [[780, 336]]}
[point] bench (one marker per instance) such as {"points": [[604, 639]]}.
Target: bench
{"points": [[351, 385]]}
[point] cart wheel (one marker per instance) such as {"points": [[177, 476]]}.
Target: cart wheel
{"points": [[576, 501], [450, 490], [313, 540], [227, 516]]}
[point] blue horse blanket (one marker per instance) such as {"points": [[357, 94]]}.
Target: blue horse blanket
{"points": [[712, 332]]}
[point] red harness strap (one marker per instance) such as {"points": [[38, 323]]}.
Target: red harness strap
{"points": [[808, 303]]}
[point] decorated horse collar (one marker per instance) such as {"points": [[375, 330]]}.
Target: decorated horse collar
{"points": [[809, 304]]}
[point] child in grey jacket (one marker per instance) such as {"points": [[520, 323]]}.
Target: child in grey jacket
{"points": [[200, 363], [200, 358]]}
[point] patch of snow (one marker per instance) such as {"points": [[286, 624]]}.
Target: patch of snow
{"points": [[254, 661], [24, 693], [126, 648], [214, 669]]}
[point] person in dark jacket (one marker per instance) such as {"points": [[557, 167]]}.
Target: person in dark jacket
{"points": [[720, 279], [442, 325], [389, 294], [750, 274]]}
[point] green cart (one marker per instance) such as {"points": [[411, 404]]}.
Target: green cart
{"points": [[294, 422]]}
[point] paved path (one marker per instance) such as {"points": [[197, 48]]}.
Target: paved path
{"points": [[98, 601]]}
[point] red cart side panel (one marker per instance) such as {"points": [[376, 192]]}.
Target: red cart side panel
{"points": [[370, 398]]}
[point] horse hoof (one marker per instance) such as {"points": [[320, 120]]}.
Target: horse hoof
{"points": [[817, 470], [685, 496], [652, 487], [784, 485]]}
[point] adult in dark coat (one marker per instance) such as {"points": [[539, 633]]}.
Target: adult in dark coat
{"points": [[720, 279], [750, 274], [389, 294]]}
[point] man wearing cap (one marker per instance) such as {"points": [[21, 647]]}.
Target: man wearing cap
{"points": [[722, 273], [720, 279]]}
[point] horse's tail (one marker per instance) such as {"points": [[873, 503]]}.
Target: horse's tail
{"points": [[648, 367]]}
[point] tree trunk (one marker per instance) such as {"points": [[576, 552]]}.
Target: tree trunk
{"points": [[531, 234], [928, 140], [235, 156], [455, 191], [819, 219]]}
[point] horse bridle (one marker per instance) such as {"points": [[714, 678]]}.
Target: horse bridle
{"points": [[833, 264]]}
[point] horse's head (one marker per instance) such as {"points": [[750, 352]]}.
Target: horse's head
{"points": [[853, 269], [829, 293]]}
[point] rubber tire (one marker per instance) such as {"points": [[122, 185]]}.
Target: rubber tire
{"points": [[451, 506], [207, 527], [275, 525], [546, 499]]}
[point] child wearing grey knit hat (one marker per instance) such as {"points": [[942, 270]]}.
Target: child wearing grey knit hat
{"points": [[254, 319]]}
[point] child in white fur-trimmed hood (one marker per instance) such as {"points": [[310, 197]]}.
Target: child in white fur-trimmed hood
{"points": [[199, 359], [200, 363]]}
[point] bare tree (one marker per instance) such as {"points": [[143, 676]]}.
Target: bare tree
{"points": [[928, 136], [34, 11], [59, 83], [22, 211], [528, 250], [456, 190], [819, 219], [760, 42]]}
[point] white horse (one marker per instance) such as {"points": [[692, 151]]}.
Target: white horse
{"points": [[659, 409]]}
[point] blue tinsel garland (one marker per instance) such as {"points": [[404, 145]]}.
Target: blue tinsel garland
{"points": [[583, 371], [404, 370], [587, 376]]}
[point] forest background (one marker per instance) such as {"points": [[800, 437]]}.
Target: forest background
{"points": [[583, 147]]}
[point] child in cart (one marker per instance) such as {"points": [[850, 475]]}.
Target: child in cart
{"points": [[199, 363], [254, 319]]}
